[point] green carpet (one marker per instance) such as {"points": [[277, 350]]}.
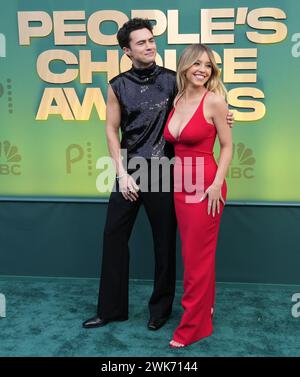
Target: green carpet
{"points": [[44, 316]]}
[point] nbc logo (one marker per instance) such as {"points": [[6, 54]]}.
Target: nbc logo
{"points": [[243, 161], [9, 157]]}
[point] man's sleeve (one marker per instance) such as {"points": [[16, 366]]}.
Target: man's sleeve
{"points": [[175, 90], [115, 85]]}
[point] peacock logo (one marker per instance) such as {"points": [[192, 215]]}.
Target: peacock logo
{"points": [[9, 158], [243, 161], [244, 155]]}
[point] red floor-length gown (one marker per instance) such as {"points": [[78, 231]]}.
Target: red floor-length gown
{"points": [[198, 230]]}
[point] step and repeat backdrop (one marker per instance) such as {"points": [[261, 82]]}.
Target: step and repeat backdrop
{"points": [[56, 58]]}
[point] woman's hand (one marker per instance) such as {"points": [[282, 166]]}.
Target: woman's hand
{"points": [[214, 194], [128, 187]]}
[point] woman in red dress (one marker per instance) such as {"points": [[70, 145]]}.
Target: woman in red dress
{"points": [[198, 116]]}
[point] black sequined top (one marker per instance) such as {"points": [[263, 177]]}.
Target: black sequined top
{"points": [[146, 98]]}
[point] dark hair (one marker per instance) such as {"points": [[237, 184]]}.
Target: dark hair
{"points": [[132, 25]]}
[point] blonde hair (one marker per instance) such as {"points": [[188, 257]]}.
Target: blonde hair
{"points": [[187, 59]]}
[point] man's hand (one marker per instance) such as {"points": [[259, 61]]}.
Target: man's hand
{"points": [[230, 119], [128, 187]]}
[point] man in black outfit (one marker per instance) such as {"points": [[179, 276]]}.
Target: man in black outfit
{"points": [[138, 102]]}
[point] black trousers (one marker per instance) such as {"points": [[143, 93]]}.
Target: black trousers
{"points": [[121, 215]]}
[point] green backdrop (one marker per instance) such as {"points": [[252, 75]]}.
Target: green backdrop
{"points": [[56, 158]]}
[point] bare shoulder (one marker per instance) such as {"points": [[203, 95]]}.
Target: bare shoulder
{"points": [[215, 100], [111, 95]]}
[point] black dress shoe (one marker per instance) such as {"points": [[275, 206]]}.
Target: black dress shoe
{"points": [[94, 322], [155, 324]]}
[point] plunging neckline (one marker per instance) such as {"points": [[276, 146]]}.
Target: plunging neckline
{"points": [[182, 130]]}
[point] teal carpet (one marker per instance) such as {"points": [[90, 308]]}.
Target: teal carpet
{"points": [[44, 316]]}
